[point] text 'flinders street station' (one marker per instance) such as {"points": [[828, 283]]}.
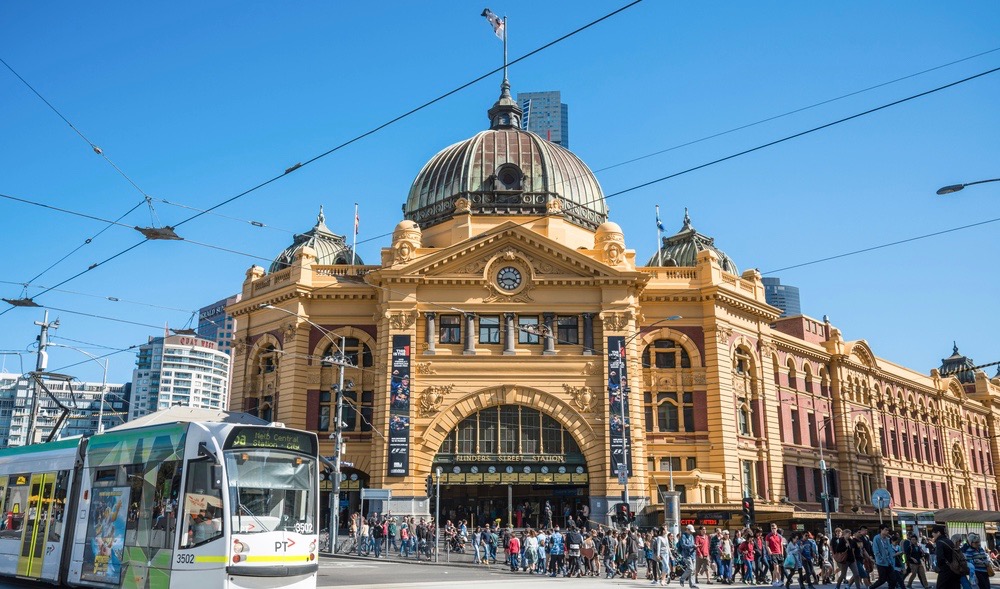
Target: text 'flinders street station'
{"points": [[511, 338]]}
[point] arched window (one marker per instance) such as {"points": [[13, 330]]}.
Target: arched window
{"points": [[863, 440], [665, 353], [359, 403], [510, 430], [745, 418], [807, 378], [509, 177], [792, 383], [675, 412]]}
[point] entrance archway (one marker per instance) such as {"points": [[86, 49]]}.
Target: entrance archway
{"points": [[505, 462]]}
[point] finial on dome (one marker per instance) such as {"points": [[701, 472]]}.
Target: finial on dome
{"points": [[505, 113], [320, 218], [687, 220], [954, 347]]}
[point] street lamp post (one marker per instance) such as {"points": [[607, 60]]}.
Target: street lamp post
{"points": [[339, 359], [956, 187], [623, 473], [104, 381]]}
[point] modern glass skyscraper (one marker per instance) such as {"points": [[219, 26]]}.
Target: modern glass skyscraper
{"points": [[782, 296], [546, 115]]}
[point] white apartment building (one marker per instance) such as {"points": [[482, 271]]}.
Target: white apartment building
{"points": [[82, 398], [179, 370]]}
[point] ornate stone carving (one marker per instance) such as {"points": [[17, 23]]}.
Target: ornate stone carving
{"points": [[614, 254], [401, 320], [477, 266], [553, 207], [240, 347], [699, 378], [766, 349], [510, 254], [724, 333], [288, 332], [666, 381], [423, 368], [582, 396], [405, 241], [592, 369], [402, 252], [431, 399], [462, 205], [616, 321]]}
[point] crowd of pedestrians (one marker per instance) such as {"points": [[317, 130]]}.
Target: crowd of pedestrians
{"points": [[750, 556]]}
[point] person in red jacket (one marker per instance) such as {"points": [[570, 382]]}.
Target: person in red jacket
{"points": [[701, 546]]}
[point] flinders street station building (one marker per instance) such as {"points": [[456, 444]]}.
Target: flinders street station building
{"points": [[511, 337]]}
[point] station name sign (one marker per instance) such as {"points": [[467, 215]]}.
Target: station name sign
{"points": [[275, 439], [557, 458]]}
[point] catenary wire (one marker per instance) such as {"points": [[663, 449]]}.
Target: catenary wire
{"points": [[349, 142], [719, 160]]}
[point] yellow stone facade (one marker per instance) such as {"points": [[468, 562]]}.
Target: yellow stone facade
{"points": [[726, 400]]}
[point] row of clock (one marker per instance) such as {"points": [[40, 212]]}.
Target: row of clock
{"points": [[510, 469]]}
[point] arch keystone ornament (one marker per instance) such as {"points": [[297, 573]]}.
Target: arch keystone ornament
{"points": [[431, 399], [582, 397]]}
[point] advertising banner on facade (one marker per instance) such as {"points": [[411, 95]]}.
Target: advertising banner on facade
{"points": [[618, 409], [102, 555], [399, 408]]}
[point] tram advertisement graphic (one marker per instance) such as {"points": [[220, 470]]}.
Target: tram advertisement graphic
{"points": [[399, 407], [102, 556], [620, 430]]}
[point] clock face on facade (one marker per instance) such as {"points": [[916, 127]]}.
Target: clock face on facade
{"points": [[492, 469], [508, 278], [474, 469]]}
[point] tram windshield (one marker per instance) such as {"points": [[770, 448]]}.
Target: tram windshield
{"points": [[271, 490]]}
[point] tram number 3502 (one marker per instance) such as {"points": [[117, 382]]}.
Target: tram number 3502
{"points": [[185, 559]]}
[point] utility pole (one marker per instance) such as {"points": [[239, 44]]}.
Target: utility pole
{"points": [[40, 365], [339, 360]]}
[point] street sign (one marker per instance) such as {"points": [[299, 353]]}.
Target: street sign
{"points": [[376, 494], [881, 499], [622, 474]]}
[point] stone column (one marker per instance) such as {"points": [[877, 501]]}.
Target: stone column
{"points": [[431, 337], [510, 334], [550, 334], [470, 341], [588, 334]]}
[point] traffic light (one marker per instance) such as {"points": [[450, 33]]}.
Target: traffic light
{"points": [[748, 511], [623, 515], [429, 485]]}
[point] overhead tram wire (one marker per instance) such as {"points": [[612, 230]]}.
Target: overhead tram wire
{"points": [[112, 299], [412, 111], [570, 206], [299, 165], [761, 121]]}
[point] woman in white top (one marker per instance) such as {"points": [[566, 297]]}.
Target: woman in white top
{"points": [[531, 550]]}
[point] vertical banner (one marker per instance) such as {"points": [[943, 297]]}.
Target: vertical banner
{"points": [[102, 554], [399, 408], [619, 427]]}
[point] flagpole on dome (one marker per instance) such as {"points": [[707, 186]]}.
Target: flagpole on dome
{"points": [[500, 30], [505, 48], [659, 238], [354, 246]]}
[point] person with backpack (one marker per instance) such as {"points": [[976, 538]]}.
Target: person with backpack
{"points": [[686, 550], [843, 554], [950, 568], [556, 552], [809, 553], [915, 561]]}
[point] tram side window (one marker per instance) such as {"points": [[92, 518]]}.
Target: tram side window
{"points": [[134, 472], [15, 503], [165, 504], [202, 505], [58, 504]]}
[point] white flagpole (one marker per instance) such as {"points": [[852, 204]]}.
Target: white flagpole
{"points": [[354, 246], [505, 48], [659, 239]]}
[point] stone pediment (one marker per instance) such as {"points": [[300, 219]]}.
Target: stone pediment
{"points": [[543, 258]]}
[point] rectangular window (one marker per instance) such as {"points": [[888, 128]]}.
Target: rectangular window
{"points": [[203, 512], [647, 404], [927, 451], [796, 434], [508, 429], [813, 434], [688, 412], [489, 329], [916, 448], [467, 436], [747, 472], [800, 479], [530, 433], [817, 485], [451, 329], [895, 446], [670, 463], [488, 432], [568, 330], [667, 415], [527, 329], [367, 410], [937, 452], [934, 495], [906, 446], [692, 463]]}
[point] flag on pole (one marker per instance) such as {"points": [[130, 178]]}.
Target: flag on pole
{"points": [[357, 220], [495, 21], [659, 224]]}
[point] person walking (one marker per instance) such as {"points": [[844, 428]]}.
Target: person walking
{"points": [[686, 550], [944, 551], [916, 562], [748, 554], [726, 558], [882, 547], [702, 546], [661, 552], [609, 547], [843, 554], [979, 561], [774, 544], [513, 552], [793, 561]]}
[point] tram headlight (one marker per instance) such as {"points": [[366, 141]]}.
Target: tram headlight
{"points": [[240, 547], [312, 546]]}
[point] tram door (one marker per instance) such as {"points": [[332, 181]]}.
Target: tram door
{"points": [[36, 526]]}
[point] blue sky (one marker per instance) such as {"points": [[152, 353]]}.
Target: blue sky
{"points": [[197, 102]]}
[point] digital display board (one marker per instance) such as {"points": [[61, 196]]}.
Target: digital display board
{"points": [[272, 438]]}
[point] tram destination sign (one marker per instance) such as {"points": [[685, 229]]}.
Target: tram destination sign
{"points": [[276, 439]]}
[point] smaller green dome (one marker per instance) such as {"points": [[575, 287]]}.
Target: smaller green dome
{"points": [[682, 249], [331, 249]]}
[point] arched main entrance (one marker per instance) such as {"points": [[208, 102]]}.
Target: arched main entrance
{"points": [[504, 462]]}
